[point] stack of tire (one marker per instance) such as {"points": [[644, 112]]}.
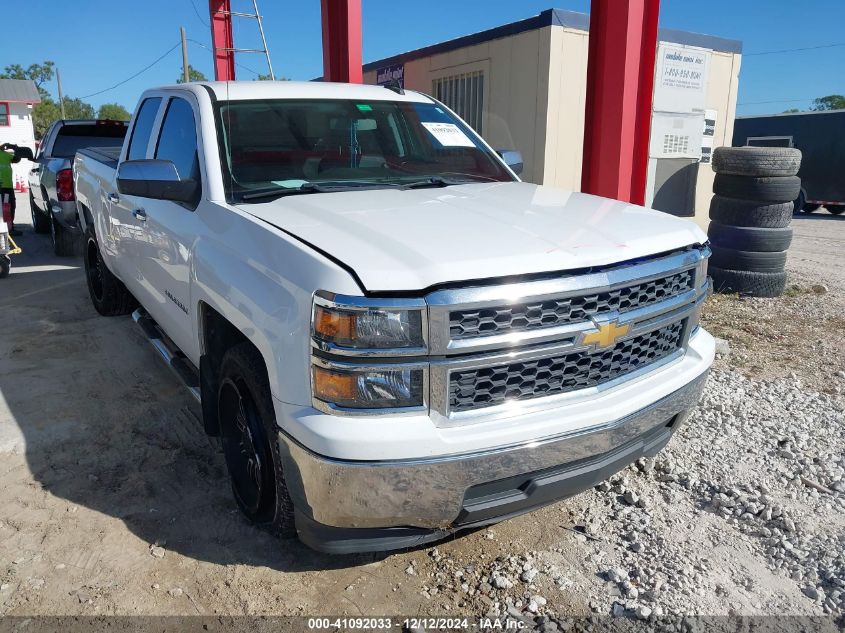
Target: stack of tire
{"points": [[755, 189]]}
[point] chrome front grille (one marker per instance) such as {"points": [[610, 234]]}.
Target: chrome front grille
{"points": [[560, 373], [521, 316], [501, 350]]}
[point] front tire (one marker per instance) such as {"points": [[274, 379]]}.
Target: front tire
{"points": [[250, 443], [5, 266], [835, 209], [40, 221], [108, 294]]}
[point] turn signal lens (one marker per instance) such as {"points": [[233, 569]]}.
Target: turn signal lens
{"points": [[333, 325], [369, 389], [333, 386]]}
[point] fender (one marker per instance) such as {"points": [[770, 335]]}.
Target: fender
{"points": [[262, 281]]}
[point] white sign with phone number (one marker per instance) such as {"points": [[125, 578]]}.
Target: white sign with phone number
{"points": [[448, 134]]}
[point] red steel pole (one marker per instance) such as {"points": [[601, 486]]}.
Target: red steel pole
{"points": [[342, 40], [222, 40], [620, 86]]}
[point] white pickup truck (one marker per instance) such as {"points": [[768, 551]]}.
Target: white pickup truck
{"points": [[394, 338]]}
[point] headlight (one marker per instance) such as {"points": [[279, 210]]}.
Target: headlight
{"points": [[350, 337], [364, 388], [362, 328]]}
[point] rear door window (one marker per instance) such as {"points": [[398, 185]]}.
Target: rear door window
{"points": [[178, 139], [143, 128]]}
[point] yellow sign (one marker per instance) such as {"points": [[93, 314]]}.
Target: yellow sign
{"points": [[606, 335]]}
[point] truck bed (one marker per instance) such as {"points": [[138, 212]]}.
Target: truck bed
{"points": [[106, 155]]}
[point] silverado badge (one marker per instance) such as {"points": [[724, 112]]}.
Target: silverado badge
{"points": [[606, 335]]}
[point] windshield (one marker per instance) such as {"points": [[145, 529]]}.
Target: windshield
{"points": [[278, 146]]}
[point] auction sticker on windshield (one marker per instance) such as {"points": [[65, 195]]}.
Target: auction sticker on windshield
{"points": [[449, 134]]}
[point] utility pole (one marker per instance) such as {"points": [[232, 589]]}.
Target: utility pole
{"points": [[186, 76], [61, 98]]}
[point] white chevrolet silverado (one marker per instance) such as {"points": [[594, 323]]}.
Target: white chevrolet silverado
{"points": [[393, 337]]}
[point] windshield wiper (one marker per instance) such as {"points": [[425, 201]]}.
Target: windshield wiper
{"points": [[313, 187], [436, 181]]}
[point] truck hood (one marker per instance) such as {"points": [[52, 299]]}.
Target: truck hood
{"points": [[413, 239]]}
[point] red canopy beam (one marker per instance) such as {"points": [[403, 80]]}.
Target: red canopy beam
{"points": [[222, 40], [620, 83], [342, 40]]}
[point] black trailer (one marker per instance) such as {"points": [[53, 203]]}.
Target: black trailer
{"points": [[821, 138]]}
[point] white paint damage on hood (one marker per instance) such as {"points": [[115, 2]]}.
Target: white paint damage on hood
{"points": [[414, 239]]}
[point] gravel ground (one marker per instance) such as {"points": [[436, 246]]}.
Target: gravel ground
{"points": [[112, 502]]}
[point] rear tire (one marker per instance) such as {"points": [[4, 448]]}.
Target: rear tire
{"points": [[835, 209], [750, 261], [762, 189], [748, 283], [5, 266], [108, 294], [250, 442], [747, 238], [40, 221], [750, 213], [65, 242], [756, 161]]}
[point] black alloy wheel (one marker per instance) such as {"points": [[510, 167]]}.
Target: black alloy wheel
{"points": [[94, 269], [246, 449]]}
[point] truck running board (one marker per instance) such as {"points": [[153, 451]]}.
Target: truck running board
{"points": [[171, 354]]}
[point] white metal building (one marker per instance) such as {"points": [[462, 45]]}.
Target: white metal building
{"points": [[523, 86], [17, 97]]}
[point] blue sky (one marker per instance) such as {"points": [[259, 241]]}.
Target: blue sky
{"points": [[98, 44]]}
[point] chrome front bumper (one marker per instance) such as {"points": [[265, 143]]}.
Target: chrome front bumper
{"points": [[431, 493]]}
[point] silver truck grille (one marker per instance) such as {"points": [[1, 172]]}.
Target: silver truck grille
{"points": [[519, 317], [490, 386], [524, 346]]}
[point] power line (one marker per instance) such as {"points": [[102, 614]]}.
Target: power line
{"points": [[143, 70], [199, 17], [795, 50]]}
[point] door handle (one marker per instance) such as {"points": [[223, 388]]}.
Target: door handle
{"points": [[140, 214], [113, 198]]}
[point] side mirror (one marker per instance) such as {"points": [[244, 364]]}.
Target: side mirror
{"points": [[157, 179], [512, 159]]}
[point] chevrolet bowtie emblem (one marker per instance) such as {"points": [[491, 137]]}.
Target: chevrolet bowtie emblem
{"points": [[606, 335]]}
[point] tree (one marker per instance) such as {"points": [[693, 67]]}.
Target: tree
{"points": [[48, 111], [791, 110], [267, 78], [193, 75], [830, 102], [113, 111], [43, 116], [38, 73], [77, 109]]}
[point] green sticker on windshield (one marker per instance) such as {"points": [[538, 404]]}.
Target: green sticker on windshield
{"points": [[363, 107]]}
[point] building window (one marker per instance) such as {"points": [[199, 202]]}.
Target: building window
{"points": [[4, 115], [464, 94]]}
